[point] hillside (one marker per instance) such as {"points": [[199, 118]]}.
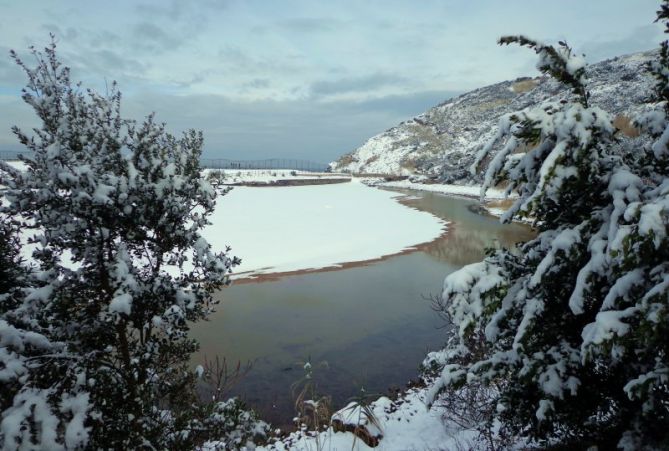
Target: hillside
{"points": [[442, 142]]}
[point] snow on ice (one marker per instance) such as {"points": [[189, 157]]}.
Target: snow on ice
{"points": [[283, 229]]}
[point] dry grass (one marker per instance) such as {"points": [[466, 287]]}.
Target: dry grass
{"points": [[524, 86], [624, 124], [408, 164], [485, 106], [372, 159], [504, 204], [347, 159], [524, 147]]}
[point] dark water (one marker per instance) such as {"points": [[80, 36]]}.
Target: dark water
{"points": [[367, 326]]}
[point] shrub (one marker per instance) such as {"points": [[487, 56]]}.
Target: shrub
{"points": [[95, 334], [571, 331]]}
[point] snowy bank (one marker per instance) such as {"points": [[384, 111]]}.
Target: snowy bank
{"points": [[271, 176], [493, 204], [404, 424], [286, 229], [458, 190], [20, 165]]}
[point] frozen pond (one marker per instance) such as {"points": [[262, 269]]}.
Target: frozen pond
{"points": [[372, 324], [283, 229]]}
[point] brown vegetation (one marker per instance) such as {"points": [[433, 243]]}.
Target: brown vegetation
{"points": [[625, 126], [408, 164], [524, 86], [297, 182], [372, 159], [485, 106], [347, 159]]}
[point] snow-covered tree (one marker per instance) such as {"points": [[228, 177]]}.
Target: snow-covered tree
{"points": [[571, 329], [95, 345]]}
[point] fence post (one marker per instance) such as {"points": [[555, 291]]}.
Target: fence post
{"points": [[223, 163]]}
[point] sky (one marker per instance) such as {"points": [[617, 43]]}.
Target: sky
{"points": [[296, 78]]}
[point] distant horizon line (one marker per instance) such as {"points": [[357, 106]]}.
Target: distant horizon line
{"points": [[224, 163]]}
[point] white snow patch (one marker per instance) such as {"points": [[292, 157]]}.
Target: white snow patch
{"points": [[458, 190], [268, 176], [20, 165], [405, 425], [283, 229], [121, 304]]}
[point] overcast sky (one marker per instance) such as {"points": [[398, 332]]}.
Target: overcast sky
{"points": [[297, 78]]}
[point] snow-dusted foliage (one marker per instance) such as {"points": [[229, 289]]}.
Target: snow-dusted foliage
{"points": [[441, 143], [571, 329], [230, 426], [94, 335]]}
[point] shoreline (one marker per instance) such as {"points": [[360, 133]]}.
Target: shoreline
{"points": [[291, 182], [253, 276], [249, 277]]}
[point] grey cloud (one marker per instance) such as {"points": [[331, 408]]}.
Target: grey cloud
{"points": [[310, 25], [257, 83], [408, 105], [105, 63], [68, 33], [151, 37], [177, 9], [182, 20], [234, 55], [11, 74], [21, 115], [302, 25], [358, 84], [305, 129], [320, 131], [170, 9], [103, 38], [234, 59], [646, 37]]}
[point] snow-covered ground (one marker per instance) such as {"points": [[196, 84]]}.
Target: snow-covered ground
{"points": [[282, 229], [307, 227], [443, 141], [491, 202], [242, 176], [20, 165], [405, 424], [458, 190]]}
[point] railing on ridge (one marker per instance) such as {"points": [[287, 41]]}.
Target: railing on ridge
{"points": [[271, 163], [223, 163]]}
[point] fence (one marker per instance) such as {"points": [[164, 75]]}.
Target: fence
{"points": [[223, 163], [272, 163]]}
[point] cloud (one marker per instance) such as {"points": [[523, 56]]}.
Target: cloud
{"points": [[177, 9], [170, 9], [288, 128], [98, 66], [241, 60], [300, 77], [357, 85], [153, 38], [646, 37], [258, 83], [11, 75], [406, 105], [69, 33], [310, 24]]}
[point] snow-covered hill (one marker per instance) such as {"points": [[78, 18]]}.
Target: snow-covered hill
{"points": [[441, 143]]}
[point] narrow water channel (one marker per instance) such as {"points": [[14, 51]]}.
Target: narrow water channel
{"points": [[367, 326]]}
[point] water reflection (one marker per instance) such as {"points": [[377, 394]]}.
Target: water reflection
{"points": [[371, 324], [470, 233]]}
